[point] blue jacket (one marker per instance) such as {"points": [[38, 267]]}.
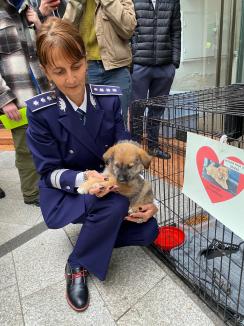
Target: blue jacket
{"points": [[62, 146]]}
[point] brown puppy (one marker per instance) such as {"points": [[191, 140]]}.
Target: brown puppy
{"points": [[219, 174], [125, 161]]}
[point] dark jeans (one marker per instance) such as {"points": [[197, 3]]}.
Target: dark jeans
{"points": [[115, 77], [149, 82]]}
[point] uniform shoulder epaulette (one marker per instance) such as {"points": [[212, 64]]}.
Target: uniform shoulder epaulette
{"points": [[105, 90], [41, 101]]}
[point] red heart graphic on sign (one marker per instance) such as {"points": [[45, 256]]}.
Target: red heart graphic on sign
{"points": [[220, 183]]}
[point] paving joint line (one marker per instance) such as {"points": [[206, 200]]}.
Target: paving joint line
{"points": [[22, 238]]}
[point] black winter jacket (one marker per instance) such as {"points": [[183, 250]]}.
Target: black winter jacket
{"points": [[157, 37]]}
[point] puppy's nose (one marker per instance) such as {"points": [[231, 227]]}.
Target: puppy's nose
{"points": [[121, 178]]}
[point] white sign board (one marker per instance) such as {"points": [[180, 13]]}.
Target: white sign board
{"points": [[214, 179]]}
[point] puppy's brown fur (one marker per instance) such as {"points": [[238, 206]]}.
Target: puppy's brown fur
{"points": [[125, 162], [219, 174]]}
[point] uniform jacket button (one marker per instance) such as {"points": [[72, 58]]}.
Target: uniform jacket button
{"points": [[67, 187], [71, 151], [106, 146], [101, 166]]}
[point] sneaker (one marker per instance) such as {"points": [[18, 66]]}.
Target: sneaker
{"points": [[159, 153], [2, 193], [33, 202]]}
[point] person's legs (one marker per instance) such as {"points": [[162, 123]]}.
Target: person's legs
{"points": [[24, 163], [121, 77], [160, 85], [140, 85], [115, 77], [99, 232], [95, 72], [94, 246], [137, 234]]}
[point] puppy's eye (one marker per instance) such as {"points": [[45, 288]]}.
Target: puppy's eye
{"points": [[116, 165]]}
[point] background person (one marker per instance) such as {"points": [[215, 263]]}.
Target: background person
{"points": [[106, 28], [156, 49], [20, 78], [69, 131]]}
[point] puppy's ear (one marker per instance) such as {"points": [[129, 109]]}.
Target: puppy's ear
{"points": [[145, 158], [108, 155]]}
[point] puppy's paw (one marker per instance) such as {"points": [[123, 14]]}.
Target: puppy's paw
{"points": [[82, 190], [133, 209]]}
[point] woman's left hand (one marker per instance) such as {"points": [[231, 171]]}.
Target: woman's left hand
{"points": [[146, 212]]}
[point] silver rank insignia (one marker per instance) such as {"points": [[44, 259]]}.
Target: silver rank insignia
{"points": [[62, 104], [92, 100]]}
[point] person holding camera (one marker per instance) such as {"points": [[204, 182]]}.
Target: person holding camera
{"points": [[106, 28]]}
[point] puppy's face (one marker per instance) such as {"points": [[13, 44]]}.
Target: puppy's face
{"points": [[222, 173], [126, 160]]}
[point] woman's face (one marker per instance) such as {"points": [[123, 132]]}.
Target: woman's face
{"points": [[69, 77]]}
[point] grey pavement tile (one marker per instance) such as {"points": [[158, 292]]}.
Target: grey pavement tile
{"points": [[7, 159], [72, 231], [41, 261], [166, 304], [10, 230], [49, 307], [131, 275], [7, 271], [12, 191], [17, 212], [10, 183], [186, 289], [10, 308], [11, 187], [40, 219], [9, 175]]}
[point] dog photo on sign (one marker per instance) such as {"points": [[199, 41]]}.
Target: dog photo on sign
{"points": [[221, 176]]}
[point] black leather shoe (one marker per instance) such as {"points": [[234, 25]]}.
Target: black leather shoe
{"points": [[33, 202], [159, 153], [2, 193], [77, 293]]}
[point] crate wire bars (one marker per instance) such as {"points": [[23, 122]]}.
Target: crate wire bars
{"points": [[211, 259]]}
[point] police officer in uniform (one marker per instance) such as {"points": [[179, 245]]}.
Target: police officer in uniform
{"points": [[69, 130]]}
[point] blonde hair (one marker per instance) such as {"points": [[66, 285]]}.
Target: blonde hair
{"points": [[58, 34]]}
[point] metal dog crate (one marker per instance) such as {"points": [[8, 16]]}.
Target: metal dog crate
{"points": [[211, 259]]}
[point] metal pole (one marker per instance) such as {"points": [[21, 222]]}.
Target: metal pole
{"points": [[219, 47], [239, 77], [232, 41]]}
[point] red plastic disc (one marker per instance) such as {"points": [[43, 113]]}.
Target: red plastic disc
{"points": [[169, 237]]}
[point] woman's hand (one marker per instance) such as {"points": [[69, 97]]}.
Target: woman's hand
{"points": [[93, 174], [145, 213], [99, 190]]}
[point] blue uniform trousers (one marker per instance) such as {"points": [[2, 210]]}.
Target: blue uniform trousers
{"points": [[103, 229]]}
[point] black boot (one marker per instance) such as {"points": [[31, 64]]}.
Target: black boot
{"points": [[76, 288], [2, 193]]}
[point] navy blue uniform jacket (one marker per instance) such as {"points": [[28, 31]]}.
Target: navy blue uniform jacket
{"points": [[58, 140]]}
